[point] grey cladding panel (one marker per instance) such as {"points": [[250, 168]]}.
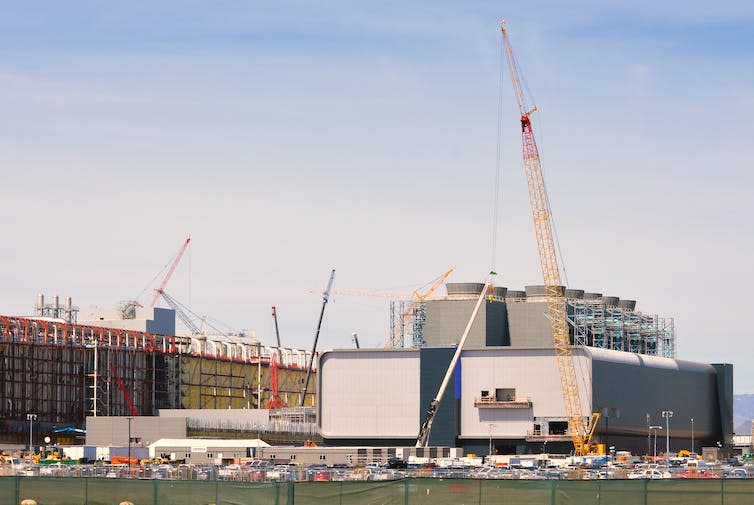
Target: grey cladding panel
{"points": [[645, 389], [528, 326]]}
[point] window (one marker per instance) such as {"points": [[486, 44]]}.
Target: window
{"points": [[293, 456], [209, 454], [485, 393], [322, 457], [505, 394]]}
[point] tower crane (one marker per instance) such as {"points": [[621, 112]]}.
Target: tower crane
{"points": [[415, 310], [170, 272], [581, 433]]}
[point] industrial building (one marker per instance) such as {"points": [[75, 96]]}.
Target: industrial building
{"points": [[507, 390], [64, 364]]}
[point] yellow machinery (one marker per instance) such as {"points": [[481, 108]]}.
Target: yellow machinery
{"points": [[581, 432]]}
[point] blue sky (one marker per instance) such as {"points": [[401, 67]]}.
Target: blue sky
{"points": [[289, 138]]}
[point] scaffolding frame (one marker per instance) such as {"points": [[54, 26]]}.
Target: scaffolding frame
{"points": [[62, 373], [594, 324]]}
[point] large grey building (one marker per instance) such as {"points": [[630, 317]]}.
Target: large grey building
{"points": [[506, 389]]}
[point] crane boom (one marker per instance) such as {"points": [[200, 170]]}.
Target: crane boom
{"points": [[423, 437], [122, 387], [548, 260], [170, 272], [395, 340], [325, 299]]}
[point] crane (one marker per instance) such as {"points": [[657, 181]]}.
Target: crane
{"points": [[581, 433], [124, 391], [178, 308], [423, 437], [170, 272], [275, 317], [415, 310], [275, 401], [325, 299]]}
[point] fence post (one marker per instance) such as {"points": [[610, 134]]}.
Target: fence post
{"points": [[86, 490], [722, 491], [646, 491], [154, 492], [599, 491], [17, 489], [291, 490], [340, 494], [405, 490], [480, 491], [552, 491], [217, 491]]}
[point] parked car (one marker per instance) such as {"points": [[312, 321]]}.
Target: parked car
{"points": [[649, 473]]}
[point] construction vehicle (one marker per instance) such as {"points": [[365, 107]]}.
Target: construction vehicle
{"points": [[422, 438], [580, 431]]}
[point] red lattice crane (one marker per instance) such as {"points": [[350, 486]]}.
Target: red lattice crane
{"points": [[275, 401], [168, 275], [122, 387], [580, 432]]}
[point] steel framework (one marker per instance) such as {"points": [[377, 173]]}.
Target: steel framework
{"points": [[65, 372]]}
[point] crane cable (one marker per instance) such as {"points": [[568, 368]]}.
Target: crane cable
{"points": [[498, 161]]}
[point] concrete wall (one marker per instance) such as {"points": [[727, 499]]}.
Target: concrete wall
{"points": [[447, 319], [528, 324], [156, 320], [113, 430], [226, 416]]}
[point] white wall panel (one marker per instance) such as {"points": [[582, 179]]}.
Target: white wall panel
{"points": [[369, 394]]}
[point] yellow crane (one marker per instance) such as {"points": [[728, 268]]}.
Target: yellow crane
{"points": [[413, 311], [581, 433]]}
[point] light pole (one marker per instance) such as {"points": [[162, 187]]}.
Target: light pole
{"points": [[649, 436], [31, 418], [667, 414], [655, 428], [129, 445], [692, 436], [491, 426]]}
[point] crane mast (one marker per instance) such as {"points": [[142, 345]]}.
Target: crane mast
{"points": [[581, 434]]}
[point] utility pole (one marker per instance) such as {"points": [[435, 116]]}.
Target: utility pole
{"points": [[325, 299], [655, 428], [490, 453], [31, 418], [667, 414], [129, 445], [692, 436]]}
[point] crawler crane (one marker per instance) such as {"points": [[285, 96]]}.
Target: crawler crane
{"points": [[581, 433]]}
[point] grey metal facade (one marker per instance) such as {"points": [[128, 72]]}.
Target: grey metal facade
{"points": [[447, 319], [627, 384]]}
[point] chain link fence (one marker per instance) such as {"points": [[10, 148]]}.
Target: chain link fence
{"points": [[411, 491]]}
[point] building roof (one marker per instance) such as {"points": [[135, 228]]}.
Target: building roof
{"points": [[208, 442]]}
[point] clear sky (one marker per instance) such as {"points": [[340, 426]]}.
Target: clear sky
{"points": [[290, 138]]}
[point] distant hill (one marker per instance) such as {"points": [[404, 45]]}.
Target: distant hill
{"points": [[743, 413]]}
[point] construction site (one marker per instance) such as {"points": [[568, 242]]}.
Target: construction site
{"points": [[62, 370], [481, 367]]}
